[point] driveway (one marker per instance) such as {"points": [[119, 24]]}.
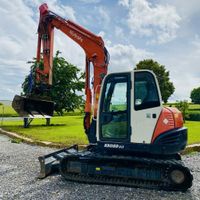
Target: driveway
{"points": [[19, 168]]}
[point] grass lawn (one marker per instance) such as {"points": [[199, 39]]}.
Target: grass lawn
{"points": [[66, 130], [69, 130], [191, 106], [193, 131], [194, 107]]}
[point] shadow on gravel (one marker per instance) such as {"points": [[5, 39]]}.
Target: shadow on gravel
{"points": [[93, 191]]}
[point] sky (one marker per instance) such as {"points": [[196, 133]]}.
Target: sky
{"points": [[167, 31]]}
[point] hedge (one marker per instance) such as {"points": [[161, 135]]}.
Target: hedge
{"points": [[193, 116]]}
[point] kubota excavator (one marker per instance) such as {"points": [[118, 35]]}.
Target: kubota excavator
{"points": [[134, 140]]}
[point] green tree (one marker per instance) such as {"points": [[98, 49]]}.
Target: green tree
{"points": [[67, 83], [183, 106], [195, 95], [166, 86]]}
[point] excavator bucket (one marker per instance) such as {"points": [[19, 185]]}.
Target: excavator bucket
{"points": [[32, 107]]}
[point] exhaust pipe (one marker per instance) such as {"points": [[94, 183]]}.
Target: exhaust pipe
{"points": [[32, 107]]}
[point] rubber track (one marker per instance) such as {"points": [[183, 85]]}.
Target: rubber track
{"points": [[163, 165]]}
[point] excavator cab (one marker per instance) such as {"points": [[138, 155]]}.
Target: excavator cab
{"points": [[125, 96], [131, 117]]}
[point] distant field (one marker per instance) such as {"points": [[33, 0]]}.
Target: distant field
{"points": [[7, 111], [191, 106], [6, 102], [194, 107]]}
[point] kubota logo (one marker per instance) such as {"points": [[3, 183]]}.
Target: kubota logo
{"points": [[76, 36]]}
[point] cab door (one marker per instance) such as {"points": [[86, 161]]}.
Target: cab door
{"points": [[114, 112], [146, 106]]}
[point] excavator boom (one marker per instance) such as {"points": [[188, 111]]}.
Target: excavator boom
{"points": [[96, 55]]}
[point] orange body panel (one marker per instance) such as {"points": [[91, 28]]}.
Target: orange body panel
{"points": [[169, 119], [178, 118]]}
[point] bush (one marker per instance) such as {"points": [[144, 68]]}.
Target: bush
{"points": [[183, 107], [195, 95], [193, 116]]}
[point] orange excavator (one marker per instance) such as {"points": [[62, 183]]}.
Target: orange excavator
{"points": [[134, 140], [96, 55]]}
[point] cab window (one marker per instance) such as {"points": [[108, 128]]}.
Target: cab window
{"points": [[145, 91], [114, 115]]}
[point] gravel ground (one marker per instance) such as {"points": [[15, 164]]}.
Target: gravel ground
{"points": [[18, 179]]}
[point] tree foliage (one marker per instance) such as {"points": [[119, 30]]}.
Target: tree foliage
{"points": [[166, 86], [67, 83], [195, 95], [183, 106]]}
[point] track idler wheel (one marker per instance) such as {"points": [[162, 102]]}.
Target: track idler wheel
{"points": [[180, 178]]}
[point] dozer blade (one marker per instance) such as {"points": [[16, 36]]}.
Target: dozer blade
{"points": [[50, 163], [32, 107]]}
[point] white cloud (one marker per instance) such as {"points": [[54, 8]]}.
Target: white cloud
{"points": [[18, 41], [17, 34], [103, 17], [119, 32], [90, 1], [102, 34], [70, 50], [7, 42], [69, 12], [125, 57], [184, 68], [196, 43], [124, 3], [159, 22], [185, 8], [55, 6]]}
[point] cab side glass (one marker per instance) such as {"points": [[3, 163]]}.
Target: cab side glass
{"points": [[145, 91], [114, 114]]}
